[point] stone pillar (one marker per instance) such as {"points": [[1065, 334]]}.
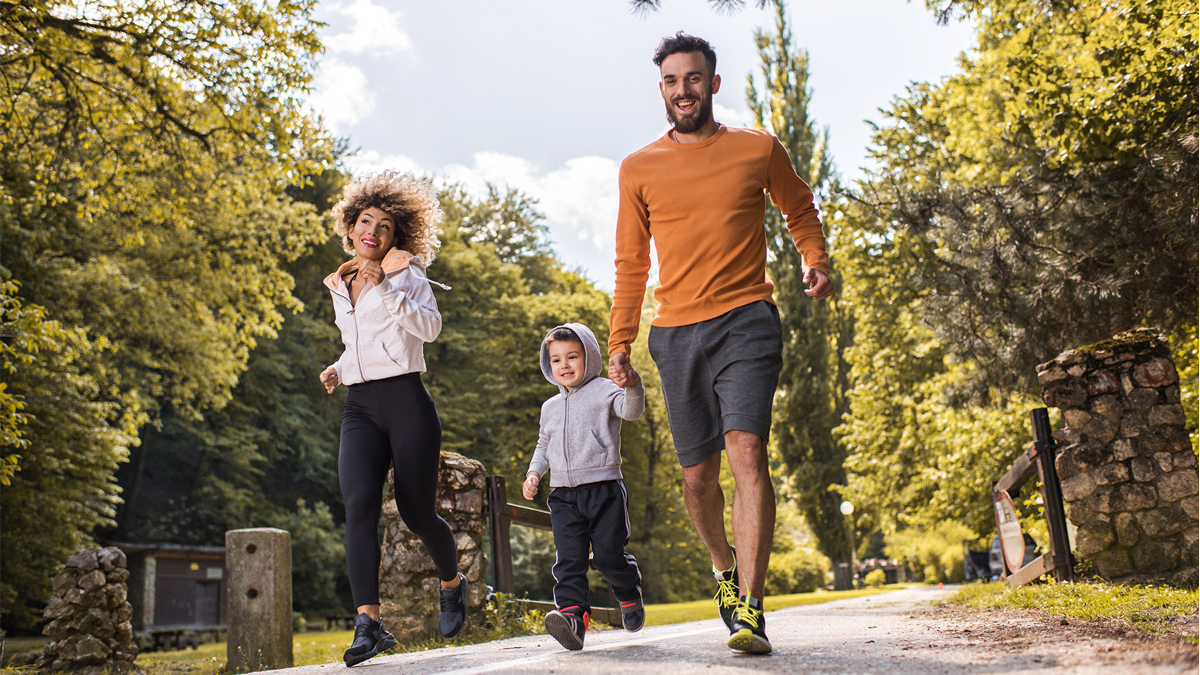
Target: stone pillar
{"points": [[1129, 474], [408, 580], [90, 629], [260, 599]]}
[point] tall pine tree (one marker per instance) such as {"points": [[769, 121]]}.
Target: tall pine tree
{"points": [[815, 376]]}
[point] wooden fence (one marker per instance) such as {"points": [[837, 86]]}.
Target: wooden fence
{"points": [[1039, 459], [501, 517]]}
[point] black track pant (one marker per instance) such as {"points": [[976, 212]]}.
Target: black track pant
{"points": [[391, 422], [595, 515]]}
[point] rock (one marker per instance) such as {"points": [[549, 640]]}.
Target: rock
{"points": [[1101, 428], [1142, 399], [92, 580], [1077, 370], [1102, 382], [1093, 537], [1108, 474], [84, 560], [124, 612], [110, 558], [1163, 522], [119, 575], [1122, 450], [1185, 578], [1107, 406], [1124, 497], [57, 608], [1126, 529], [58, 630], [1171, 413], [1112, 563], [1077, 487], [1171, 393], [471, 502], [84, 650], [1183, 460], [1077, 419], [1133, 424], [1142, 470], [116, 596], [1065, 394], [1049, 375], [1155, 373], [1177, 485], [1156, 555]]}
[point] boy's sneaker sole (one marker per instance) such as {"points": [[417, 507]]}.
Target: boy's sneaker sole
{"points": [[382, 646], [562, 629], [746, 641]]}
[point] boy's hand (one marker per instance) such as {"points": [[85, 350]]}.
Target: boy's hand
{"points": [[529, 489], [619, 369], [632, 378]]}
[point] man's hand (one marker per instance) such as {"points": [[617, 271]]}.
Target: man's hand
{"points": [[529, 489], [620, 370], [819, 285], [329, 378]]}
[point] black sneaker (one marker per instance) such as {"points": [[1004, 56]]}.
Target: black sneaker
{"points": [[633, 614], [748, 634], [454, 608], [370, 638], [567, 628], [727, 592]]}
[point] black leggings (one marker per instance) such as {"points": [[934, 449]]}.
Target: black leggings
{"points": [[391, 421]]}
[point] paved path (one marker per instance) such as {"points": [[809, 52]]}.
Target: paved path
{"points": [[889, 633]]}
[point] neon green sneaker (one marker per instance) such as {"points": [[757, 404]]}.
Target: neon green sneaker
{"points": [[748, 633], [727, 592]]}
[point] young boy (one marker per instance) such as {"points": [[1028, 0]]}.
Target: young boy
{"points": [[580, 443]]}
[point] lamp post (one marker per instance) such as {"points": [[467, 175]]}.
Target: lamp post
{"points": [[847, 509]]}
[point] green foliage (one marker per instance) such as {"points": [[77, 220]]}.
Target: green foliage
{"points": [[875, 578], [1187, 361], [800, 570], [318, 556], [1053, 200], [934, 554], [812, 385], [70, 440], [1149, 608]]}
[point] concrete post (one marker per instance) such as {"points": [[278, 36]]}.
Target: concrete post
{"points": [[260, 599]]}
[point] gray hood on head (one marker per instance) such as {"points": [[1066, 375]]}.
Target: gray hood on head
{"points": [[592, 361]]}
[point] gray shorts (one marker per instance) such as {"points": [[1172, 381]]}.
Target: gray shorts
{"points": [[719, 375]]}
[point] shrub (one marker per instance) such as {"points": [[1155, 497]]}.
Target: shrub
{"points": [[800, 570], [875, 578], [936, 553]]}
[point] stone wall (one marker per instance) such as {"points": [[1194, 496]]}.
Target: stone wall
{"points": [[408, 580], [1129, 473], [90, 627]]}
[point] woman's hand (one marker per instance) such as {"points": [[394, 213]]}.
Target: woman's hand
{"points": [[371, 271], [329, 378], [529, 489]]}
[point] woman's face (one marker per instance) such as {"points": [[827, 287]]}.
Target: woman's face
{"points": [[373, 234]]}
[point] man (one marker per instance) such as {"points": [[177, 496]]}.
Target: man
{"points": [[700, 193]]}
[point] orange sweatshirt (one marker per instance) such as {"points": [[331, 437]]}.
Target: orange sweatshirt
{"points": [[703, 204]]}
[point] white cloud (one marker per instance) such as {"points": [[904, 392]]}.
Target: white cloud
{"points": [[376, 31], [372, 161], [739, 117], [579, 200], [341, 94]]}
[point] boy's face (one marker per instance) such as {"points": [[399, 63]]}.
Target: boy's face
{"points": [[566, 361]]}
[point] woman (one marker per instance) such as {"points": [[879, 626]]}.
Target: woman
{"points": [[386, 311]]}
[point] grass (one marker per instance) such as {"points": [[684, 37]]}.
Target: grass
{"points": [[684, 612], [1149, 608]]}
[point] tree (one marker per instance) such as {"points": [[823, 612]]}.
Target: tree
{"points": [[812, 385], [730, 6], [147, 152]]}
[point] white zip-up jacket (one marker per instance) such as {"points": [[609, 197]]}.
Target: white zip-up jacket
{"points": [[385, 332]]}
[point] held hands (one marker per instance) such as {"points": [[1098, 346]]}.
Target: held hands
{"points": [[529, 489], [819, 285], [329, 378], [621, 372]]}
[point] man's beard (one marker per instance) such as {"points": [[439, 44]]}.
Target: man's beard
{"points": [[692, 124]]}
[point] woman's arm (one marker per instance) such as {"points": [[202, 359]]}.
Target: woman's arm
{"points": [[409, 299]]}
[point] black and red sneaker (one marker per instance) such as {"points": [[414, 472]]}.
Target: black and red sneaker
{"points": [[567, 627], [633, 614]]}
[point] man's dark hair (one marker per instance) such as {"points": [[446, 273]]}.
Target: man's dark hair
{"points": [[681, 42], [563, 335]]}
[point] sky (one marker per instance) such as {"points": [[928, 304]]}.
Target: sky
{"points": [[548, 96]]}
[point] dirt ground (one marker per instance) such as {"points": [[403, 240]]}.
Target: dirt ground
{"points": [[1047, 640]]}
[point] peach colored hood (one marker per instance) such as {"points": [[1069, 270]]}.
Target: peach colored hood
{"points": [[395, 259]]}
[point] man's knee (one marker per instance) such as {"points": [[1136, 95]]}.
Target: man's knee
{"points": [[747, 453], [702, 476]]}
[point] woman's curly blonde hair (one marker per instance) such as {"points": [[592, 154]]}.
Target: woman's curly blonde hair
{"points": [[411, 201]]}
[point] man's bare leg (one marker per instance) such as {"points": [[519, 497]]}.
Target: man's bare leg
{"points": [[706, 505], [753, 508]]}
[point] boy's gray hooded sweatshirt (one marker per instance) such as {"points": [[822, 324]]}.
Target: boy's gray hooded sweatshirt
{"points": [[580, 438]]}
